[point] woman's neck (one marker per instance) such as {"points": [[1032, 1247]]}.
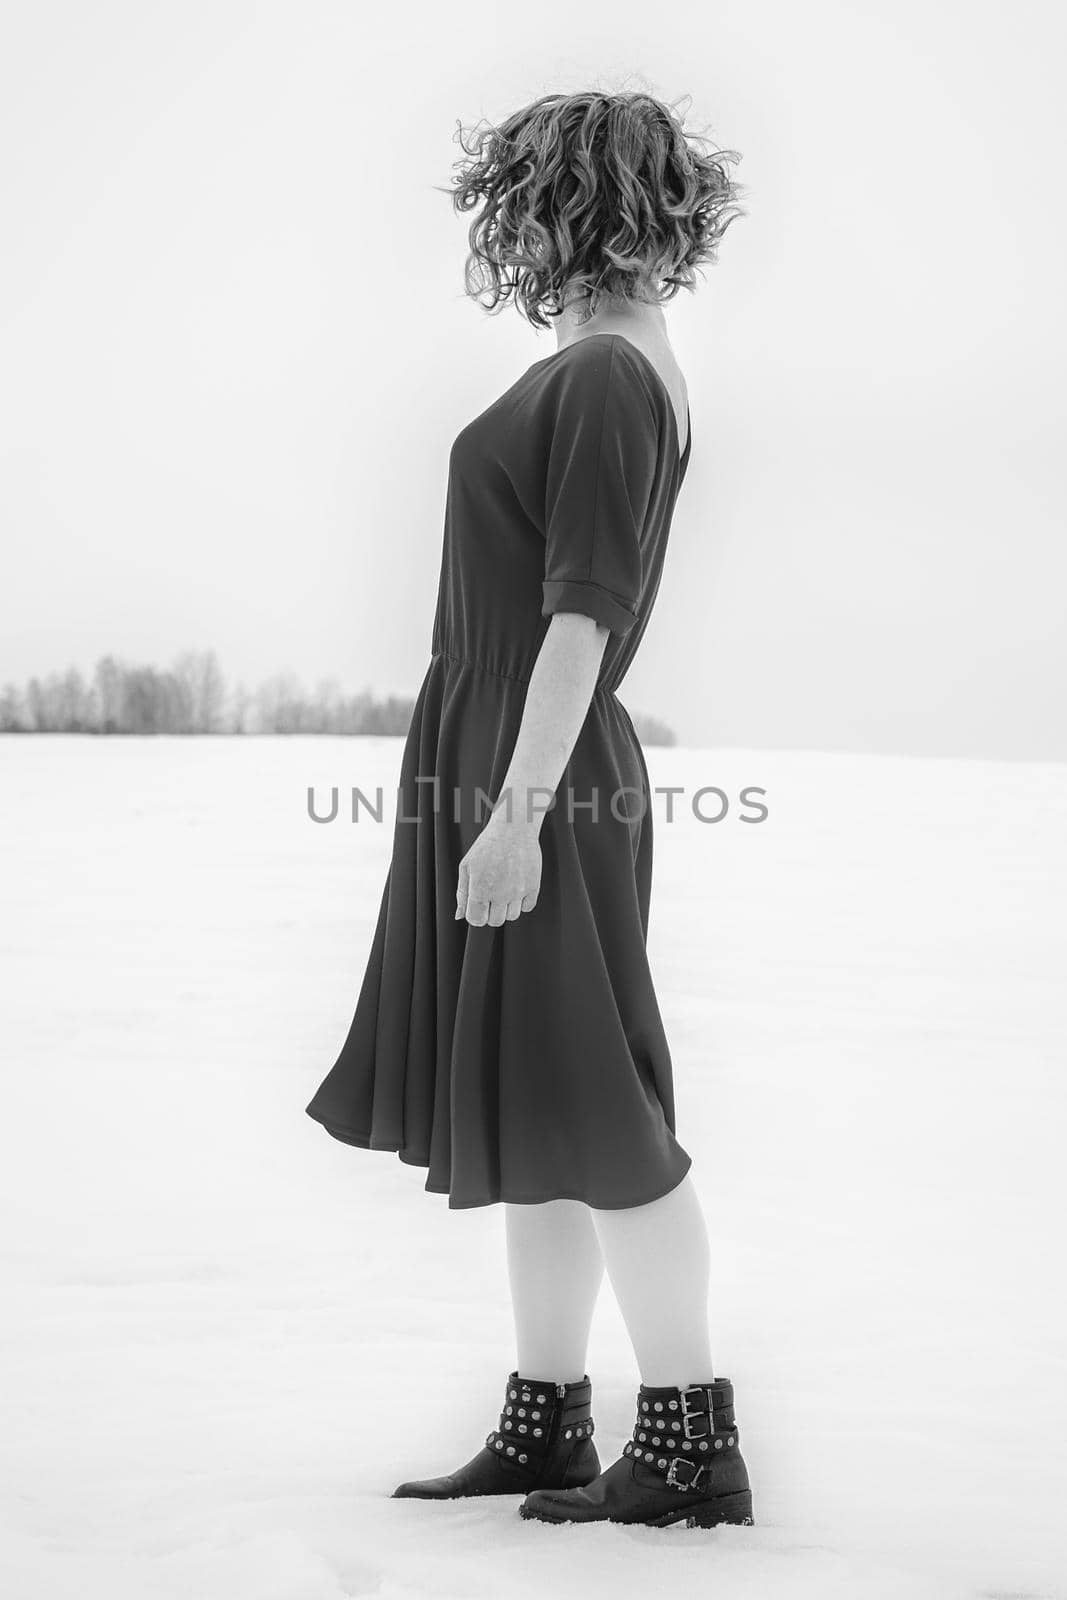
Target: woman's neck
{"points": [[644, 323]]}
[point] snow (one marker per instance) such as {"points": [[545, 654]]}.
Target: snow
{"points": [[229, 1337]]}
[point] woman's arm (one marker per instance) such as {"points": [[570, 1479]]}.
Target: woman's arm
{"points": [[500, 876]]}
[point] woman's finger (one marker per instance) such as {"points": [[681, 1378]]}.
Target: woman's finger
{"points": [[477, 912]]}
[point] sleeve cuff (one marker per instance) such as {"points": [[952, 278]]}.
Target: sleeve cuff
{"points": [[591, 600]]}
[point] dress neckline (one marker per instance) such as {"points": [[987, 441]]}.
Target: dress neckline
{"points": [[680, 456]]}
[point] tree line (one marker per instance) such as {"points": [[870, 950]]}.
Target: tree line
{"points": [[192, 697]]}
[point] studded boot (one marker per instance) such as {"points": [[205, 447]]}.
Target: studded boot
{"points": [[545, 1440], [682, 1464]]}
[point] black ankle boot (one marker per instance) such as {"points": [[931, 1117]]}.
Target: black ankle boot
{"points": [[683, 1464], [545, 1440]]}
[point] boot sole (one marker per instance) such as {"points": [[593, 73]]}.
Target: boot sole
{"points": [[733, 1510], [499, 1494]]}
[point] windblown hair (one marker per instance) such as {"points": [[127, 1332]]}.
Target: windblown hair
{"points": [[589, 195]]}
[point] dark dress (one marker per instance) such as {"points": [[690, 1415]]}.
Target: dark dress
{"points": [[528, 1062]]}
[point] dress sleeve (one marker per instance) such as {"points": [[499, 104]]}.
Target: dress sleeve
{"points": [[602, 462]]}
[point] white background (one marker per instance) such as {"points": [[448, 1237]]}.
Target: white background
{"points": [[235, 349]]}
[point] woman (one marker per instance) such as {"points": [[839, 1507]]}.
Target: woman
{"points": [[507, 1035]]}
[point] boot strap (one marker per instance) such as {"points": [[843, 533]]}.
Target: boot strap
{"points": [[527, 1418], [523, 1448], [698, 1420]]}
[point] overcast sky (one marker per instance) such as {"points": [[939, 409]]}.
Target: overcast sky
{"points": [[234, 349]]}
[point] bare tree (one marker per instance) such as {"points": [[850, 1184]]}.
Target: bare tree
{"points": [[240, 706], [281, 705], [202, 689], [212, 698], [108, 682], [14, 717], [74, 707], [327, 707], [650, 730], [36, 705]]}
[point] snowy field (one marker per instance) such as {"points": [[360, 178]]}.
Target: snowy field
{"points": [[221, 1326]]}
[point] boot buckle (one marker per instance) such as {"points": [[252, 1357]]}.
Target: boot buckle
{"points": [[679, 1466], [693, 1414]]}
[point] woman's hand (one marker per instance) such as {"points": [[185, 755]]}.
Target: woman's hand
{"points": [[500, 876]]}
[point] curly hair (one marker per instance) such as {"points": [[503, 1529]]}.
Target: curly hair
{"points": [[589, 195]]}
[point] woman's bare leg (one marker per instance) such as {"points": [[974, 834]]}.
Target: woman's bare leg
{"points": [[555, 1267], [659, 1262]]}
